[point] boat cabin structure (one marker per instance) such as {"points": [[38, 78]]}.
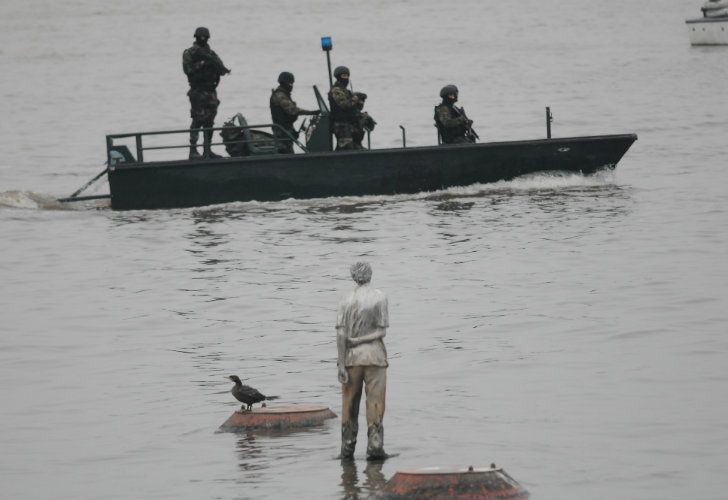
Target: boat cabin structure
{"points": [[712, 28]]}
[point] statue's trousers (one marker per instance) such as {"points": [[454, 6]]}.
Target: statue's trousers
{"points": [[374, 381]]}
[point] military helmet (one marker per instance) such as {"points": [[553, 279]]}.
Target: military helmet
{"points": [[286, 77], [447, 90], [202, 31], [340, 70]]}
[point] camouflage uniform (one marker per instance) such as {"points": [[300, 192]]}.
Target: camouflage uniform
{"points": [[284, 112], [363, 124], [344, 113], [451, 125], [203, 68]]}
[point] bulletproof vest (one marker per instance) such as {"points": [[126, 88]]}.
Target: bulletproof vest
{"points": [[277, 113], [451, 133], [341, 115], [206, 78]]}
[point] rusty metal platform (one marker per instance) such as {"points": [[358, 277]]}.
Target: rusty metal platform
{"points": [[441, 483], [278, 417]]}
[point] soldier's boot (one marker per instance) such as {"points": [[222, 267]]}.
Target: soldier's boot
{"points": [[348, 439], [375, 442], [206, 151], [194, 154]]}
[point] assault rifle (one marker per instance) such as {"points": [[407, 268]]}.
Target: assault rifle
{"points": [[302, 128], [368, 121], [204, 55], [470, 133]]}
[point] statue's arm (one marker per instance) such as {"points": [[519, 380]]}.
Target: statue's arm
{"points": [[341, 341], [377, 334], [342, 373]]}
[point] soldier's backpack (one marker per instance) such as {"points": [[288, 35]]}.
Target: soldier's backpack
{"points": [[242, 141], [233, 136]]}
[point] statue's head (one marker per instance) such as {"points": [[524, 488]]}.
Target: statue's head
{"points": [[361, 272]]}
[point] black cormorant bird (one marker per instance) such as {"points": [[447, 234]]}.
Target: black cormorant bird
{"points": [[246, 394]]}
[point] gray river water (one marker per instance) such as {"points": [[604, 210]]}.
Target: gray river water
{"points": [[570, 329]]}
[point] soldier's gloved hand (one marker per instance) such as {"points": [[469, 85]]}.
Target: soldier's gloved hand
{"points": [[343, 375]]}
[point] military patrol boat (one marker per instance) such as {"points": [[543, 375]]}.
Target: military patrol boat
{"points": [[256, 170], [262, 174]]}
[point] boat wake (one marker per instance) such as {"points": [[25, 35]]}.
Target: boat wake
{"points": [[537, 182], [541, 183], [29, 200]]}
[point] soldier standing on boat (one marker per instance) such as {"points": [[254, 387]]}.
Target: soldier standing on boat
{"points": [[203, 68], [284, 113], [364, 123], [452, 124], [344, 110], [361, 324]]}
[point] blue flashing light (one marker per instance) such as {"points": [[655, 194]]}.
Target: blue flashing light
{"points": [[326, 43]]}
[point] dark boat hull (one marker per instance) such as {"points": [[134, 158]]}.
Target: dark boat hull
{"points": [[188, 183]]}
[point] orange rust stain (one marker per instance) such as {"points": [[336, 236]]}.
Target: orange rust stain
{"points": [[279, 417], [470, 485]]}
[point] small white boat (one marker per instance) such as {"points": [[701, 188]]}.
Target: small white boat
{"points": [[712, 28]]}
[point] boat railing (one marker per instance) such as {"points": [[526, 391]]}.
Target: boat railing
{"points": [[116, 153]]}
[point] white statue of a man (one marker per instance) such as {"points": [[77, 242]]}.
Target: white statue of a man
{"points": [[361, 324]]}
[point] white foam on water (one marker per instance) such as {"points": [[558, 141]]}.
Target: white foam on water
{"points": [[24, 199], [541, 181], [549, 181], [29, 200]]}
